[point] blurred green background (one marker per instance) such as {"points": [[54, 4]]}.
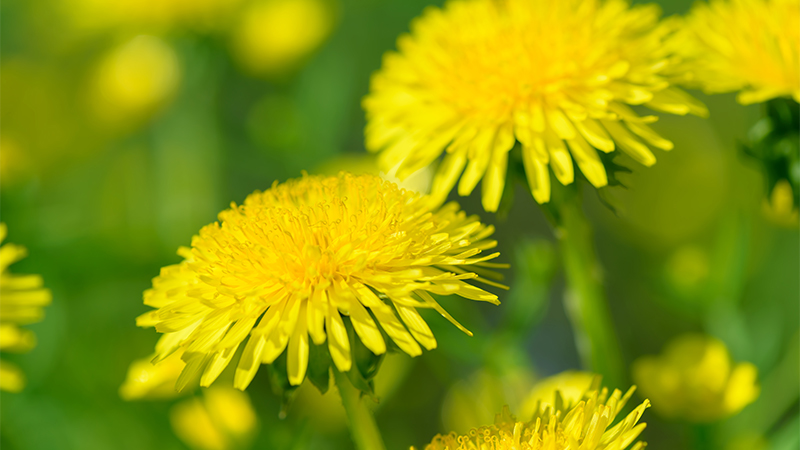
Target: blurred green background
{"points": [[127, 126]]}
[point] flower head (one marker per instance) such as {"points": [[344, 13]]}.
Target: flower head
{"points": [[135, 79], [223, 419], [586, 424], [569, 385], [694, 379], [22, 298], [473, 78], [273, 36], [292, 260], [747, 45]]}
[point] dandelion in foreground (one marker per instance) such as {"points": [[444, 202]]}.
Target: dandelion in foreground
{"points": [[472, 79], [291, 261], [585, 424], [22, 298], [747, 45], [695, 380]]}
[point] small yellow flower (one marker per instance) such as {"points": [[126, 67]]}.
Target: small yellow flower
{"points": [[22, 298], [586, 425], [223, 419], [570, 385], [473, 78], [272, 36], [747, 45], [134, 79], [694, 379], [780, 207], [146, 380], [289, 262]]}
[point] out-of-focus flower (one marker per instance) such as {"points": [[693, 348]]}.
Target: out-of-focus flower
{"points": [[570, 386], [694, 379], [586, 425], [748, 441], [687, 269], [478, 398], [147, 380], [22, 298], [273, 36], [15, 164], [134, 80], [780, 207], [747, 45], [475, 77], [291, 260], [223, 419], [203, 15]]}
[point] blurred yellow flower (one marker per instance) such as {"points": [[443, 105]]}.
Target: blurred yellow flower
{"points": [[477, 398], [747, 45], [134, 80], [780, 207], [475, 77], [223, 419], [273, 36], [22, 298], [147, 380], [296, 257], [584, 425], [687, 268], [694, 379], [15, 164], [570, 385]]}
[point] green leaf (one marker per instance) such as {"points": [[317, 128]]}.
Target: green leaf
{"points": [[319, 363]]}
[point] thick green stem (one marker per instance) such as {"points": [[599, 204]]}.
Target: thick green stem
{"points": [[585, 299], [362, 423]]}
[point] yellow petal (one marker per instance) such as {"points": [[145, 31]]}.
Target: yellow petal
{"points": [[338, 342], [538, 175], [297, 358], [588, 161], [629, 144]]}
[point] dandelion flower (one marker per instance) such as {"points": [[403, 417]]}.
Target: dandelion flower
{"points": [[694, 379], [273, 36], [473, 78], [146, 380], [224, 419], [22, 298], [292, 260], [747, 45], [586, 424], [135, 79], [570, 385]]}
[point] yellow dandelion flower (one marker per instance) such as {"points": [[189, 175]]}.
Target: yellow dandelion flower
{"points": [[22, 298], [587, 425], [134, 79], [780, 207], [695, 380], [224, 419], [292, 260], [146, 380], [570, 385], [747, 45], [273, 36], [473, 78]]}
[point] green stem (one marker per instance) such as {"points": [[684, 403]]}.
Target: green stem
{"points": [[584, 299], [362, 423]]}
